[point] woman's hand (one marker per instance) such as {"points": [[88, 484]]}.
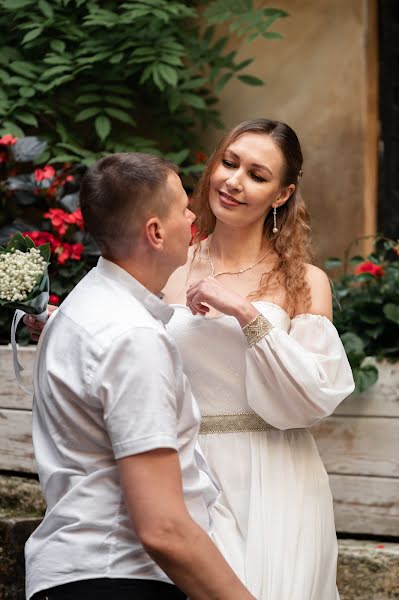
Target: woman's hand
{"points": [[210, 292], [34, 326]]}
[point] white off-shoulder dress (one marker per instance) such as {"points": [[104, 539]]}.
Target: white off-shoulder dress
{"points": [[275, 521]]}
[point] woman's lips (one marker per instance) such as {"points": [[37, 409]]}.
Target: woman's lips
{"points": [[227, 200]]}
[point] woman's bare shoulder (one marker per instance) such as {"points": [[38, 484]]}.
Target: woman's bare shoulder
{"points": [[320, 293]]}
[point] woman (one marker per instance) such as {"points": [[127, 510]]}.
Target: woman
{"points": [[253, 324], [252, 321]]}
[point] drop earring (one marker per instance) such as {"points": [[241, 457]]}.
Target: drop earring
{"points": [[275, 230]]}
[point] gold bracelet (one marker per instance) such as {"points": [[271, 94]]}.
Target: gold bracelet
{"points": [[256, 329]]}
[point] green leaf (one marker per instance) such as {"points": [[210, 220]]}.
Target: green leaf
{"points": [[251, 80], [332, 263], [26, 92], [89, 98], [116, 58], [123, 102], [58, 46], [24, 68], [222, 82], [354, 348], [272, 35], [32, 35], [16, 4], [168, 74], [365, 377], [195, 101], [63, 158], [120, 115], [356, 260], [46, 9], [49, 73], [391, 311], [243, 64], [103, 126], [178, 157], [11, 127], [87, 113], [27, 119]]}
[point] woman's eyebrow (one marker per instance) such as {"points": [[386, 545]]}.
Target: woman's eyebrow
{"points": [[256, 165]]}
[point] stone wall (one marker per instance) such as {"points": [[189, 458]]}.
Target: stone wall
{"points": [[322, 80]]}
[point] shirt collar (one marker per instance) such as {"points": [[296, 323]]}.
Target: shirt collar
{"points": [[154, 305]]}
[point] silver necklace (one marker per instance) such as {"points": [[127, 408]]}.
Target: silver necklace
{"points": [[213, 274]]}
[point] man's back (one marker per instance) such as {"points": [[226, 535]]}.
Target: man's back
{"points": [[108, 384]]}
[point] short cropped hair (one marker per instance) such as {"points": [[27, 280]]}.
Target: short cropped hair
{"points": [[118, 193]]}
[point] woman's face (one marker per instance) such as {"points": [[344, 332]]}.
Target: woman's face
{"points": [[247, 181]]}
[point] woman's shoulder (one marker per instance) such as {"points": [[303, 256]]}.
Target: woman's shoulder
{"points": [[320, 301], [316, 276]]}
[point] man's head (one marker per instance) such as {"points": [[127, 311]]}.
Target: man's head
{"points": [[123, 192]]}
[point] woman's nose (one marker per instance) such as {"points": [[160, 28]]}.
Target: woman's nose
{"points": [[234, 182]]}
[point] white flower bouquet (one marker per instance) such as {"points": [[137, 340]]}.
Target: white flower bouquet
{"points": [[24, 285], [24, 282]]}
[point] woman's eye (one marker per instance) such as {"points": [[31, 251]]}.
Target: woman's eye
{"points": [[257, 178], [227, 163]]}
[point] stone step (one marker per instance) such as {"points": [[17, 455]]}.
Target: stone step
{"points": [[367, 570]]}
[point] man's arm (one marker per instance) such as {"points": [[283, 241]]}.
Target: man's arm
{"points": [[152, 487]]}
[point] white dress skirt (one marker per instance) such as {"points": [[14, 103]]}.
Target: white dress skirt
{"points": [[274, 522]]}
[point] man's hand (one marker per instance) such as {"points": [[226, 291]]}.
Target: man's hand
{"points": [[34, 326]]}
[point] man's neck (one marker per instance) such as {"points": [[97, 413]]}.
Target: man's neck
{"points": [[145, 272]]}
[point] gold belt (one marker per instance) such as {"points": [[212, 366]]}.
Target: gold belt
{"points": [[234, 422]]}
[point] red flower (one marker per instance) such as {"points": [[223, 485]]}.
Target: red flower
{"points": [[369, 267], [47, 172], [61, 219], [2, 158], [54, 299], [69, 251], [76, 251], [62, 250], [200, 157], [8, 140], [43, 237]]}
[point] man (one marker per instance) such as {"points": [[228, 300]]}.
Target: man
{"points": [[114, 420]]}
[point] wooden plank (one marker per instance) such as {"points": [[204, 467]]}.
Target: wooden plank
{"points": [[381, 400], [16, 450], [359, 445], [11, 396], [368, 505]]}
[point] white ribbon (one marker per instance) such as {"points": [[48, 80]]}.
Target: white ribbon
{"points": [[18, 368]]}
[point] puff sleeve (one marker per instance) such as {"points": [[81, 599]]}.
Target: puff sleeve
{"points": [[295, 379]]}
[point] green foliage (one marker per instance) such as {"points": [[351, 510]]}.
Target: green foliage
{"points": [[366, 307], [139, 75]]}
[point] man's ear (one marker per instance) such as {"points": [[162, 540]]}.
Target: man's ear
{"points": [[154, 233]]}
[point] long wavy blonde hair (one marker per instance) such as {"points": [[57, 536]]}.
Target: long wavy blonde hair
{"points": [[291, 246]]}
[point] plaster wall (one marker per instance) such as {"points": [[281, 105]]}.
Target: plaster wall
{"points": [[322, 80]]}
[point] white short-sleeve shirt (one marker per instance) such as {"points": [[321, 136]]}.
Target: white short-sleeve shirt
{"points": [[108, 383]]}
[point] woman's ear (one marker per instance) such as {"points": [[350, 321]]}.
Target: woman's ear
{"points": [[284, 195]]}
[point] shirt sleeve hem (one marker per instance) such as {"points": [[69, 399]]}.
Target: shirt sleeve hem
{"points": [[146, 444]]}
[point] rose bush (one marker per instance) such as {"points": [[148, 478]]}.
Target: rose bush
{"points": [[366, 306]]}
